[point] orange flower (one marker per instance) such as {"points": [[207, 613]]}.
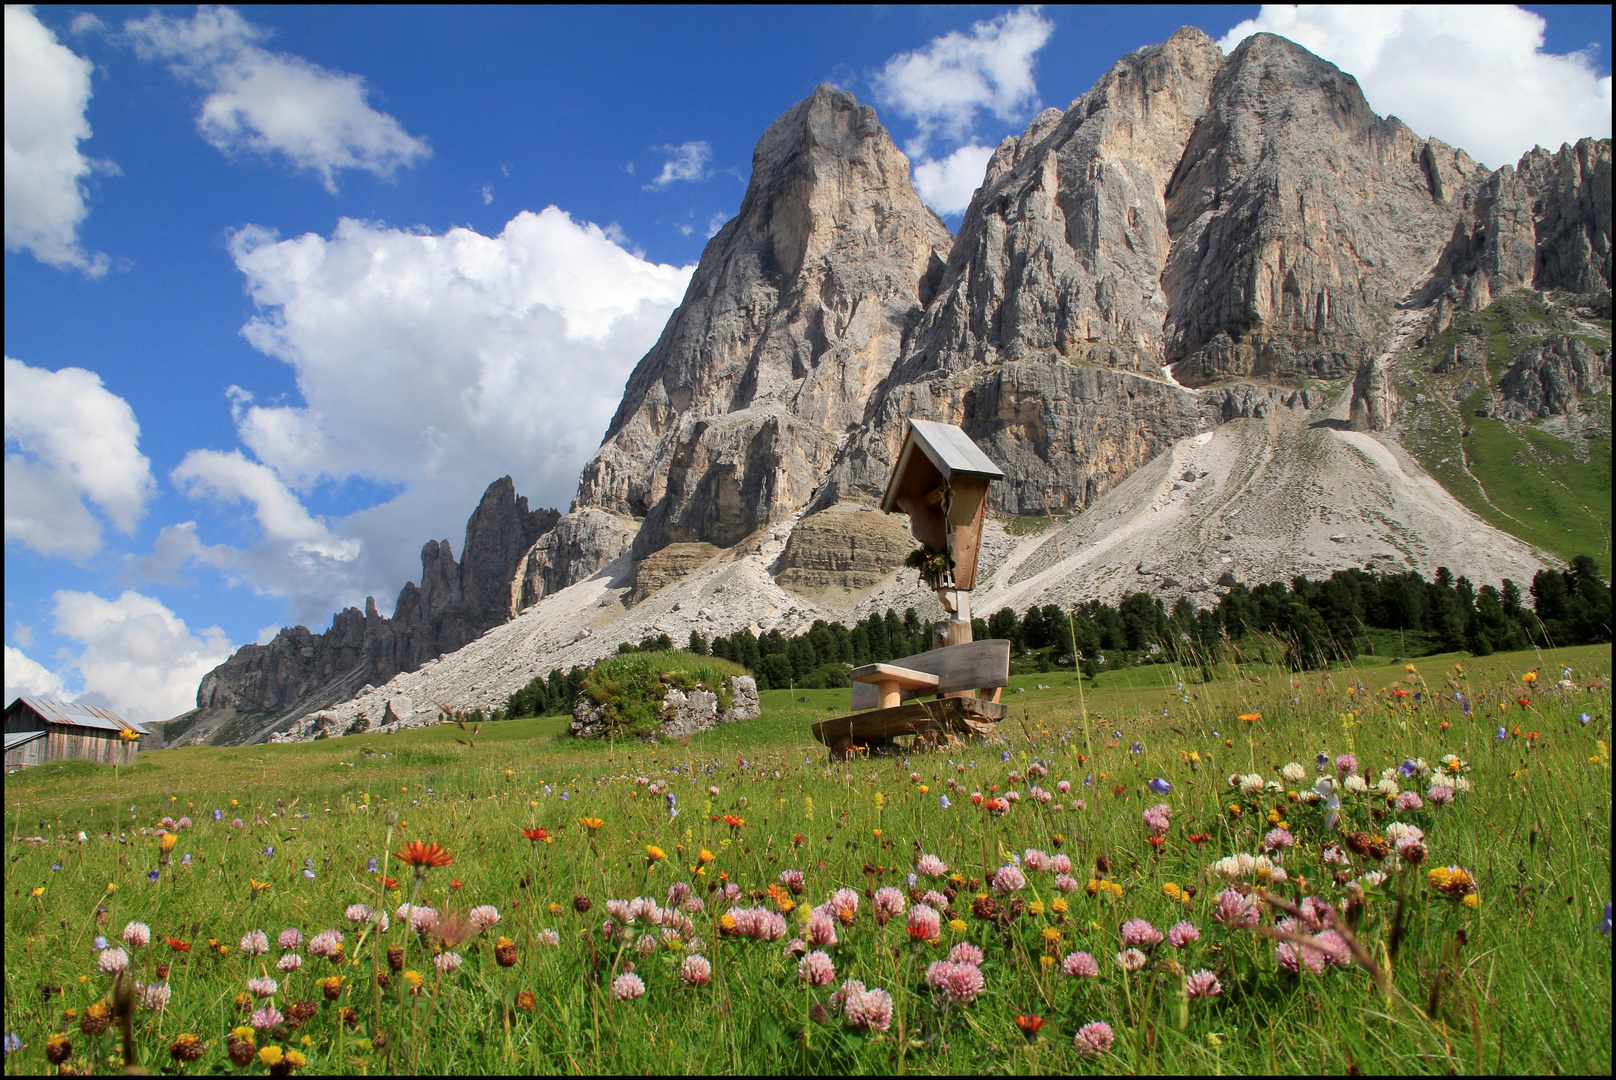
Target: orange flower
{"points": [[591, 823], [423, 856], [537, 834], [1030, 1025], [387, 882], [177, 945], [734, 822], [1251, 717]]}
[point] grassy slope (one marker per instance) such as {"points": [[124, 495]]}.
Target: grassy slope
{"points": [[1549, 491]]}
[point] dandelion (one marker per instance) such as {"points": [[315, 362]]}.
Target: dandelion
{"points": [[136, 935], [1094, 1039], [1202, 984], [112, 961]]}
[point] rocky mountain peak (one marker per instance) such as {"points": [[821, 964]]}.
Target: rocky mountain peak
{"points": [[797, 311]]}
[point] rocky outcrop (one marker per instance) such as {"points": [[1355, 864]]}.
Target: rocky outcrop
{"points": [[683, 714], [579, 545], [1374, 401], [847, 547], [1468, 352], [454, 604], [799, 308], [1545, 379], [667, 565]]}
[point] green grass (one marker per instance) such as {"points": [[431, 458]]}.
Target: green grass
{"points": [[1528, 991], [1546, 490]]}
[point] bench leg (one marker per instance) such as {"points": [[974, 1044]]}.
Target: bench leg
{"points": [[842, 748]]}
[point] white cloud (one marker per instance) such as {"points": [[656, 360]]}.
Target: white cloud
{"points": [[488, 194], [715, 223], [275, 103], [1473, 76], [947, 185], [944, 85], [69, 440], [687, 161], [47, 92], [24, 675], [428, 363], [231, 478], [138, 657]]}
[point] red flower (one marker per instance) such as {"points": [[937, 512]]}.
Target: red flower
{"points": [[797, 839], [537, 834], [387, 882], [734, 822], [1523, 702], [1399, 694], [1120, 789], [177, 945], [454, 884], [976, 798], [416, 853], [1082, 759], [1199, 837], [1030, 1025], [1530, 735], [1155, 841]]}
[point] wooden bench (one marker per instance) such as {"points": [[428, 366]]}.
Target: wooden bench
{"points": [[958, 675]]}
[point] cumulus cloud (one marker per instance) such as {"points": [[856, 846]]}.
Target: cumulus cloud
{"points": [[69, 441], [947, 185], [270, 103], [428, 363], [687, 161], [943, 86], [47, 92], [25, 675], [137, 657], [1473, 76]]}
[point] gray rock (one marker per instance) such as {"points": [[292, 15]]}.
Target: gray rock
{"points": [[1374, 401], [1546, 378], [797, 311], [683, 714], [580, 545]]}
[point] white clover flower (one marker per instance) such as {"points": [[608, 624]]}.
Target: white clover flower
{"points": [[1396, 830], [1460, 784], [1309, 797], [1387, 786], [1355, 785], [1251, 784], [1273, 785], [1372, 879], [1293, 773]]}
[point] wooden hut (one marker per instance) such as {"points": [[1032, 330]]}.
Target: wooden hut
{"points": [[40, 729]]}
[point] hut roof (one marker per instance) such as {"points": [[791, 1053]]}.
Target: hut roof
{"points": [[949, 450], [73, 714], [15, 739]]}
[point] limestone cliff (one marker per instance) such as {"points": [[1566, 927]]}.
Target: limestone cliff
{"points": [[799, 308]]}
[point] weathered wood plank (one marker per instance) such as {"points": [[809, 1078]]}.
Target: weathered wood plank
{"points": [[906, 677], [972, 666], [965, 715]]}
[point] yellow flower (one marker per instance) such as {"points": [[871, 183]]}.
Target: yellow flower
{"points": [[271, 1056], [414, 979], [880, 800], [111, 887], [39, 891], [509, 773], [1473, 901], [1047, 961], [925, 789], [245, 1033], [167, 842], [1093, 886], [705, 857], [306, 1041], [1409, 668], [591, 823], [727, 922], [957, 925], [257, 886], [1172, 892], [1058, 905], [1251, 717], [1529, 678], [1051, 934], [234, 803], [1116, 890], [654, 853], [1036, 907], [877, 833], [295, 1058], [554, 908]]}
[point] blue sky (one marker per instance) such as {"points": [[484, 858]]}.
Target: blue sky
{"points": [[227, 410]]}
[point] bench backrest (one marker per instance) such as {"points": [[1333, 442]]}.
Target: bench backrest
{"points": [[972, 666]]}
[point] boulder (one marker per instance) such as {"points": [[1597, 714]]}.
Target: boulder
{"points": [[683, 714]]}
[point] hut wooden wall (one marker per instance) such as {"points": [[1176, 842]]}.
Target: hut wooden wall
{"points": [[31, 752], [92, 744]]}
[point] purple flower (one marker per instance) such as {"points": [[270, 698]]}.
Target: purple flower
{"points": [[218, 815], [267, 1017], [1004, 755], [943, 801], [151, 875], [269, 851], [309, 874], [1604, 927], [816, 969], [13, 1043], [1094, 1039], [1408, 767], [1585, 718], [56, 866], [373, 866], [1235, 910], [1160, 786], [1137, 747], [1501, 734]]}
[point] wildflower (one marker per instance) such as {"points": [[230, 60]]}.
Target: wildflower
{"points": [[1131, 960], [1250, 717], [187, 1047], [423, 856], [869, 1009], [112, 961], [1160, 786], [415, 980], [136, 935], [1234, 909], [57, 1048], [328, 943], [289, 962], [1202, 984], [1094, 1039], [483, 916], [1140, 932], [262, 987], [654, 854], [695, 970], [1604, 926], [959, 982], [266, 1017], [1452, 881], [1030, 1025], [957, 926], [924, 923], [331, 986], [931, 866], [888, 902], [1182, 934], [1080, 965], [1440, 794], [1009, 878], [255, 943], [1278, 839], [447, 962], [816, 969], [526, 1001]]}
